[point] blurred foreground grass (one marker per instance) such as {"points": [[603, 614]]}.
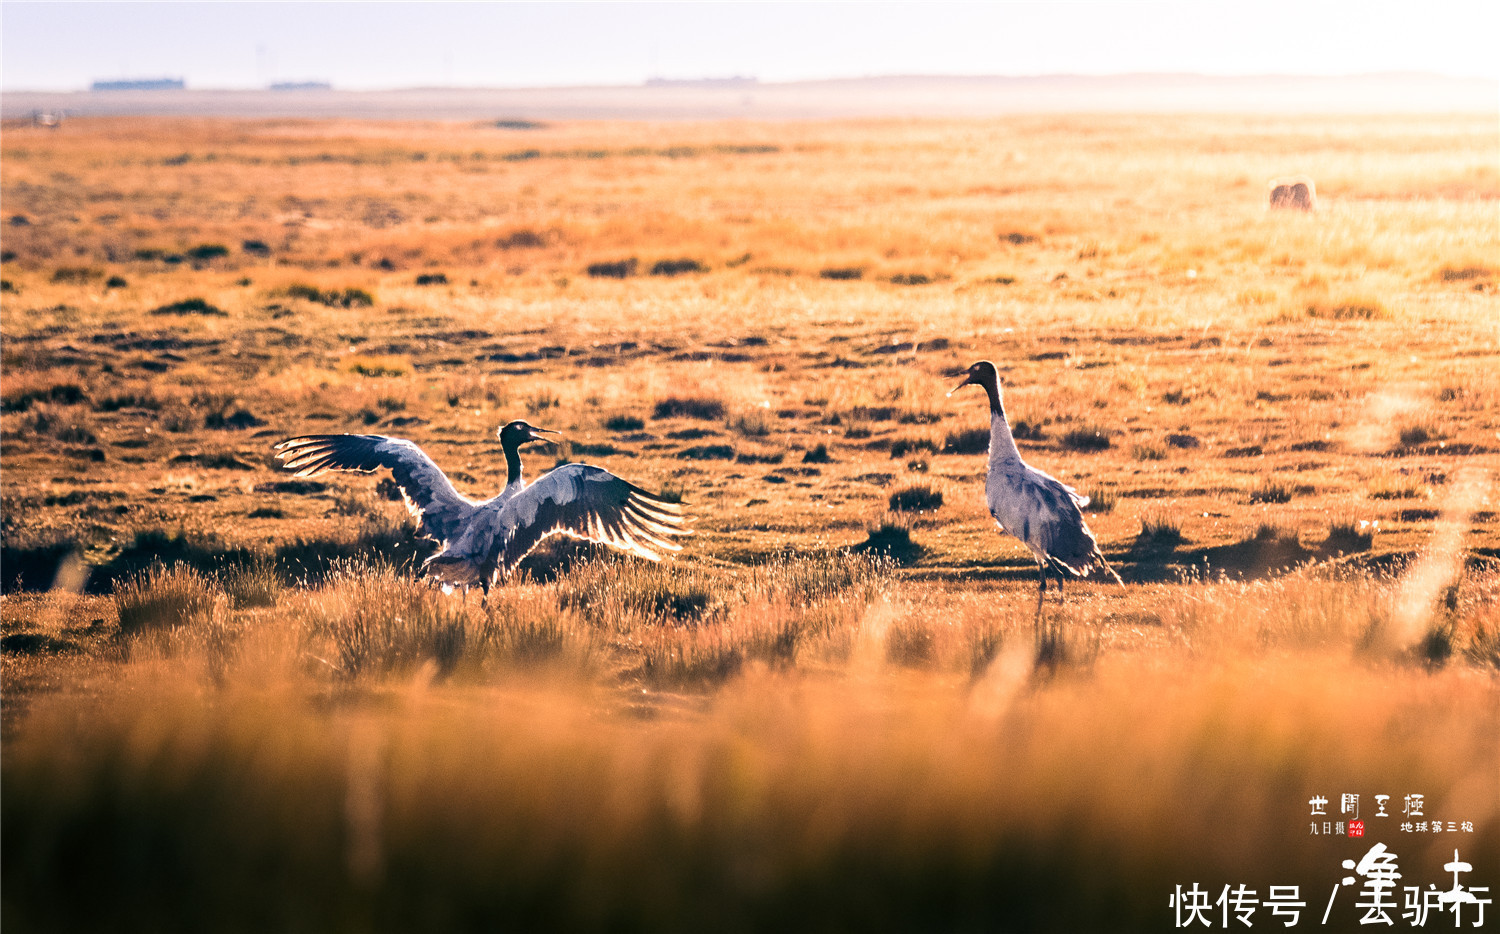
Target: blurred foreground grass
{"points": [[816, 746]]}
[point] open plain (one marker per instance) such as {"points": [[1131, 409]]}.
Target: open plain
{"points": [[230, 703]]}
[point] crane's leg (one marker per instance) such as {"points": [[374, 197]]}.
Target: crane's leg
{"points": [[1041, 573]]}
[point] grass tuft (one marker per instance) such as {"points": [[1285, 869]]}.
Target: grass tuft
{"points": [[689, 407], [967, 441], [623, 423], [1086, 439], [165, 598], [918, 497], [1159, 532], [1359, 308], [1271, 491], [909, 644], [901, 447], [1102, 499], [252, 585], [1347, 537]]}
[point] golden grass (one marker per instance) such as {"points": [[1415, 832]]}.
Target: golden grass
{"points": [[910, 755], [279, 727]]}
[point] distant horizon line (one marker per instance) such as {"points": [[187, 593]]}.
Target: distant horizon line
{"points": [[740, 82]]}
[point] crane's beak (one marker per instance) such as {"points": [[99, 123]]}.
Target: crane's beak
{"points": [[536, 434], [968, 379]]}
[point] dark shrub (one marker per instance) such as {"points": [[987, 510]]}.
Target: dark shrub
{"points": [[61, 393], [1347, 538], [841, 272], [76, 275], [333, 298], [904, 446], [256, 248], [707, 452], [919, 497], [1159, 532], [818, 455], [624, 423], [967, 441], [891, 538], [207, 251], [676, 267], [1023, 430], [617, 270], [1087, 438], [675, 407], [1416, 435], [432, 278], [354, 298], [521, 240], [191, 306]]}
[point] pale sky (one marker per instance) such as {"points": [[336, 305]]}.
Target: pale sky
{"points": [[362, 45]]}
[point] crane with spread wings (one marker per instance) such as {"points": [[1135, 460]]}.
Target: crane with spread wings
{"points": [[482, 540]]}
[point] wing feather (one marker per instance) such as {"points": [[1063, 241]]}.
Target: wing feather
{"points": [[440, 509], [587, 502]]}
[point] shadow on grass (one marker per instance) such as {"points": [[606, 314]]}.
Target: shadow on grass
{"points": [[1157, 554], [34, 565]]}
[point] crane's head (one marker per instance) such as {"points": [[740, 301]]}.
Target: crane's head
{"points": [[982, 374], [518, 432]]}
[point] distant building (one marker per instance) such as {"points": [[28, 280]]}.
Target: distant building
{"points": [[736, 81], [301, 86], [139, 84]]}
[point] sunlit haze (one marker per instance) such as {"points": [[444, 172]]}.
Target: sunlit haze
{"points": [[65, 46]]}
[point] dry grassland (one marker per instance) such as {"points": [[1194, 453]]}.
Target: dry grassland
{"points": [[230, 705]]}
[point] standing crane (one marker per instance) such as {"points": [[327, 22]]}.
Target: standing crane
{"points": [[1038, 509], [480, 541]]}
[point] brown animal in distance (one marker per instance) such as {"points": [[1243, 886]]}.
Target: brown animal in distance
{"points": [[1296, 194]]}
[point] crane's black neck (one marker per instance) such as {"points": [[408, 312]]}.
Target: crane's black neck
{"points": [[992, 389], [512, 461]]}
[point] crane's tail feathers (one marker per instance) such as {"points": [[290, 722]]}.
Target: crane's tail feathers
{"points": [[1095, 560], [1109, 570]]}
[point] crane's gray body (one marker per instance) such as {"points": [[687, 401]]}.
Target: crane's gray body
{"points": [[1040, 510], [479, 540]]}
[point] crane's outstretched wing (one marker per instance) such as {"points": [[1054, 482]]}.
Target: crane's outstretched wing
{"points": [[591, 503], [429, 494]]}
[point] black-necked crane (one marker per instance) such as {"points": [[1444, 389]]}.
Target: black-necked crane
{"points": [[1040, 510], [480, 540]]}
